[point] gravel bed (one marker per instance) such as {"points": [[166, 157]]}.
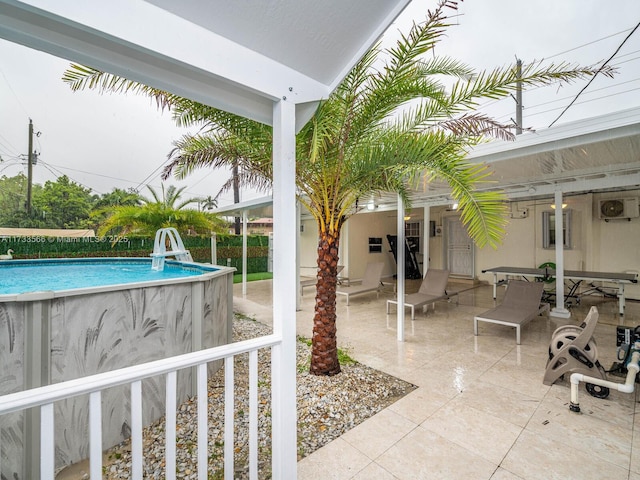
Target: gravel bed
{"points": [[327, 407]]}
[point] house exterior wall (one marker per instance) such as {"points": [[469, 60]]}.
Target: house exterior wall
{"points": [[596, 245]]}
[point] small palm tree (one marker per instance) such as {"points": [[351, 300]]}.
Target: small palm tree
{"points": [[161, 212], [391, 125], [169, 197]]}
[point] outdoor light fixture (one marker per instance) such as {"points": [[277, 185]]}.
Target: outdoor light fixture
{"points": [[553, 205]]}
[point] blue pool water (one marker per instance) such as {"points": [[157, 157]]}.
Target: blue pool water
{"points": [[37, 275]]}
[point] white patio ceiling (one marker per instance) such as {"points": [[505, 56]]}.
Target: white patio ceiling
{"points": [[239, 56]]}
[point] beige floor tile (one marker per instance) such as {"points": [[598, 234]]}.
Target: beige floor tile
{"points": [[477, 431], [537, 457], [337, 460], [373, 471], [634, 466], [518, 379], [502, 474], [423, 454], [378, 433], [508, 405], [419, 405], [583, 431]]}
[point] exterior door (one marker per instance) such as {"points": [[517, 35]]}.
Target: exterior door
{"points": [[459, 246]]}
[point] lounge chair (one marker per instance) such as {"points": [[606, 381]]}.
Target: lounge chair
{"points": [[521, 304], [370, 282], [432, 289]]}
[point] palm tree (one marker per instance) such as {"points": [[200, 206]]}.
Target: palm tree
{"points": [[391, 125], [161, 212], [169, 197]]}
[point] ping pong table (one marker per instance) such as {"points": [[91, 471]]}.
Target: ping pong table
{"points": [[574, 276]]}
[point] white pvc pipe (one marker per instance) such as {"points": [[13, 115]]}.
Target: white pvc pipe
{"points": [[632, 370]]}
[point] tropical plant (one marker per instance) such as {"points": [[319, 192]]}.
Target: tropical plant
{"points": [[391, 125], [170, 197], [148, 218]]}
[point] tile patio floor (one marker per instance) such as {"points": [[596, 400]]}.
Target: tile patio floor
{"points": [[481, 410]]}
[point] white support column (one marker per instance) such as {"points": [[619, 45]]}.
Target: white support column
{"points": [[298, 290], [283, 364], [559, 310], [214, 248], [400, 269], [244, 252], [426, 235]]}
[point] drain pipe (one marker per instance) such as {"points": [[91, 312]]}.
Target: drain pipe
{"points": [[633, 368]]}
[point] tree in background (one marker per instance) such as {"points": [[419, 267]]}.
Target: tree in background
{"points": [[160, 212], [64, 203], [103, 205], [403, 117], [13, 195]]}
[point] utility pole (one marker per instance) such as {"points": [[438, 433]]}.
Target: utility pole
{"points": [[519, 97], [31, 160], [30, 167]]}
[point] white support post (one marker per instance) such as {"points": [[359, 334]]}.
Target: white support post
{"points": [[298, 289], [214, 248], [170, 426], [426, 236], [203, 417], [95, 435], [400, 269], [253, 414], [244, 253], [283, 364], [137, 454], [47, 443], [559, 310], [229, 427]]}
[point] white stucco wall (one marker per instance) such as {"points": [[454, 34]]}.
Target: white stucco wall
{"points": [[596, 245]]}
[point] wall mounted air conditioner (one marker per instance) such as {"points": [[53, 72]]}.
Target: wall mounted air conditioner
{"points": [[618, 209]]}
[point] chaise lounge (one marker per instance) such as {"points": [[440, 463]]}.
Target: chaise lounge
{"points": [[370, 282], [432, 289], [521, 304]]}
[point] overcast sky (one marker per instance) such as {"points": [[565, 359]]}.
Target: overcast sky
{"points": [[120, 141]]}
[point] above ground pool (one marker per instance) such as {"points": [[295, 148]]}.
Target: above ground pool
{"points": [[24, 276], [69, 318]]}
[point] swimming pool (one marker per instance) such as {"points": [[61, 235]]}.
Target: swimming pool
{"points": [[20, 276], [59, 323]]}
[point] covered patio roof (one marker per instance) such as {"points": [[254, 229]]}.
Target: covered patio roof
{"points": [[590, 155]]}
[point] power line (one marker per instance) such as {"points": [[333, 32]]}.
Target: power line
{"points": [[592, 42], [596, 74]]}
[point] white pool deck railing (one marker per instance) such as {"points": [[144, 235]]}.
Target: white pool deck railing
{"points": [[44, 398]]}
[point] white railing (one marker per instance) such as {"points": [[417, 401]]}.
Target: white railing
{"points": [[44, 397]]}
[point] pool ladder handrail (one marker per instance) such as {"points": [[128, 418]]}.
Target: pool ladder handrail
{"points": [[160, 252]]}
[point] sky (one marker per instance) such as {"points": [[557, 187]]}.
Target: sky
{"points": [[113, 140]]}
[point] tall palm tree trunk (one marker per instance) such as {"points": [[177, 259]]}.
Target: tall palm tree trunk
{"points": [[324, 348]]}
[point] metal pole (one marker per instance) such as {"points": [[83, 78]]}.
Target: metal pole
{"points": [[29, 167]]}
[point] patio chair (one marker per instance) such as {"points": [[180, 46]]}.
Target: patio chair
{"points": [[432, 289], [521, 304], [370, 282]]}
